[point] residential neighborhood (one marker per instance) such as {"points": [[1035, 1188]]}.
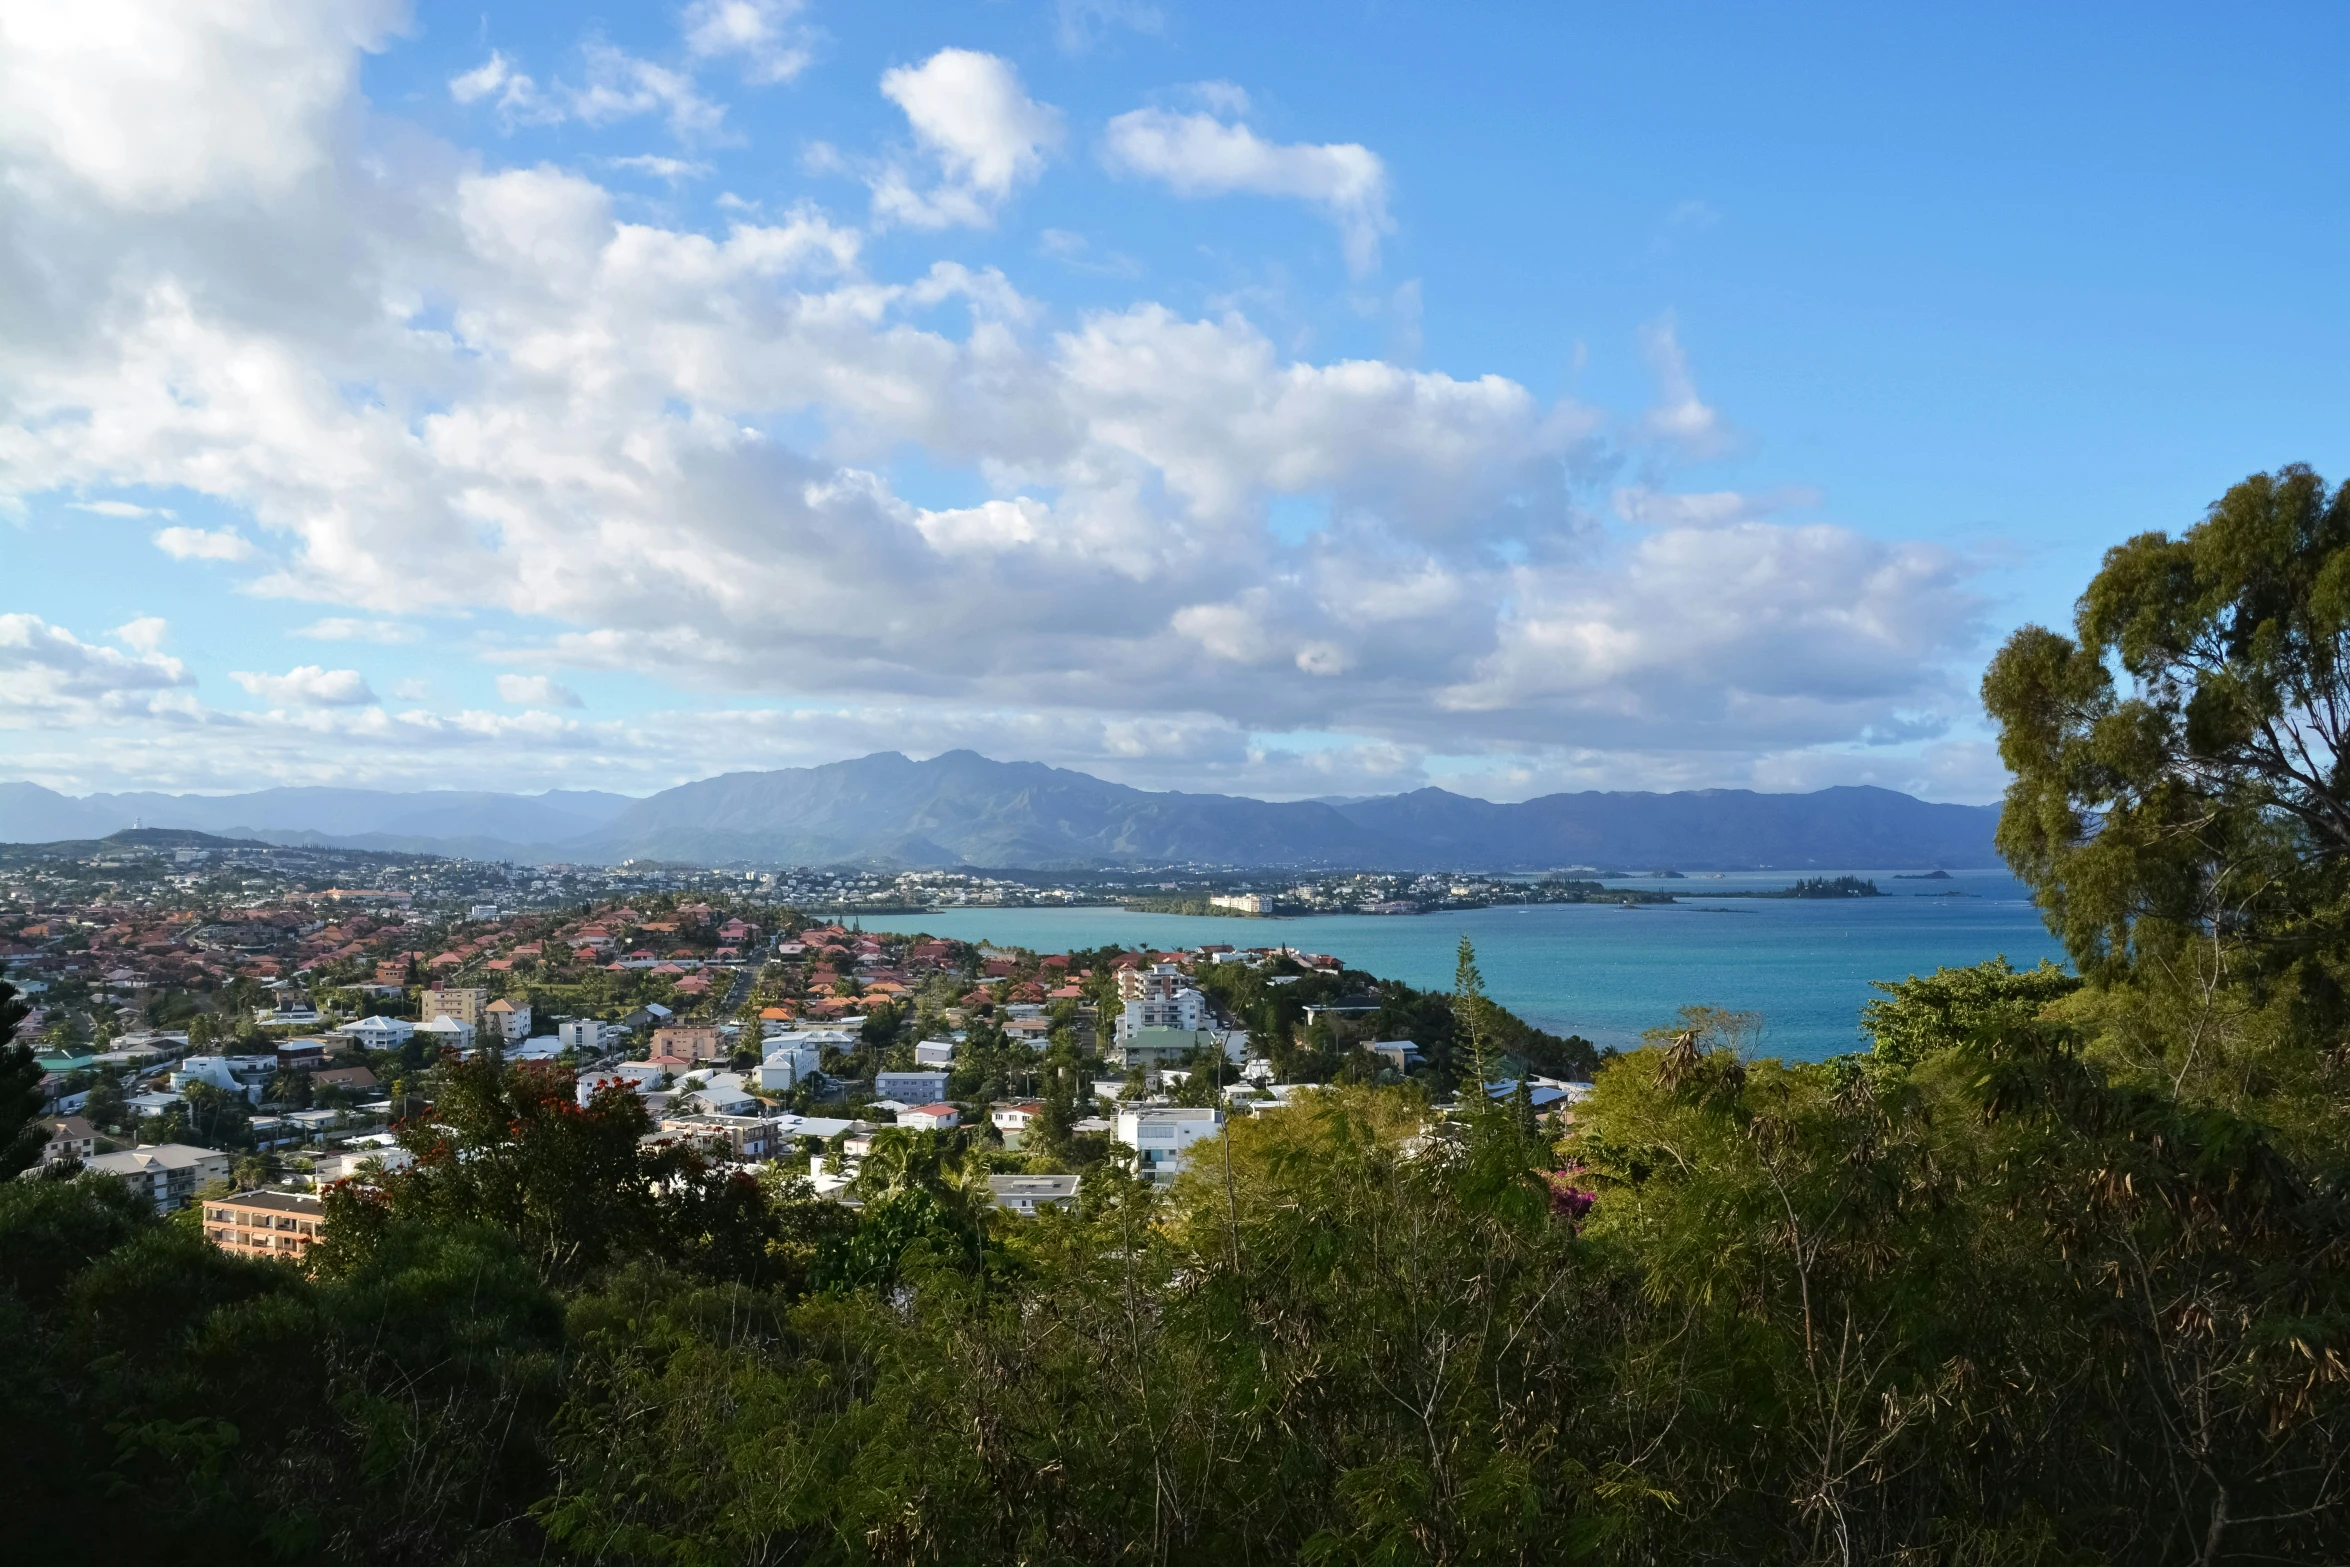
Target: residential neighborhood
{"points": [[247, 1049]]}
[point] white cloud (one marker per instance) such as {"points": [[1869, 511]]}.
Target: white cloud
{"points": [[971, 115], [308, 686], [772, 44], [198, 544], [512, 93], [1080, 25], [617, 86], [1680, 416], [143, 635], [341, 628], [536, 691], [51, 678], [121, 509], [673, 448], [621, 86], [1203, 154], [674, 170], [109, 94]]}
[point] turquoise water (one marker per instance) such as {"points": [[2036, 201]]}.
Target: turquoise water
{"points": [[1606, 972]]}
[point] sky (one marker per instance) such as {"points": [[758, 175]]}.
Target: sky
{"points": [[1298, 400]]}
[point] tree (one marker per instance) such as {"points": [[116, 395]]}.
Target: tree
{"points": [[21, 1140], [2211, 800]]}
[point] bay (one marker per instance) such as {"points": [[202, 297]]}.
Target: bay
{"points": [[1607, 972]]}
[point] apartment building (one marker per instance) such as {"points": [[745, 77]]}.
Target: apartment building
{"points": [[1157, 997], [505, 1022], [283, 1225], [169, 1174], [459, 1006], [688, 1041]]}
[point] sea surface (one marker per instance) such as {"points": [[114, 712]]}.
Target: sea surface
{"points": [[1608, 972]]}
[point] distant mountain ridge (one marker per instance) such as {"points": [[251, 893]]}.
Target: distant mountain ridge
{"points": [[961, 808]]}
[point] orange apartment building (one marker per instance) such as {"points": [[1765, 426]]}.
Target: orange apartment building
{"points": [[284, 1225]]}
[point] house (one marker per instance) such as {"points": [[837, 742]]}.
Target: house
{"points": [[246, 1075], [745, 1139], [377, 1033], [281, 1225], [1161, 1046], [69, 1137], [1027, 1194], [343, 1165], [465, 1006], [301, 1055], [355, 1078], [168, 1173], [931, 1117], [1401, 1054], [505, 1021], [693, 1041], [720, 1093], [1161, 1135], [935, 1052], [292, 1009], [785, 1067], [1014, 1120], [921, 1086], [446, 1033], [1034, 1032]]}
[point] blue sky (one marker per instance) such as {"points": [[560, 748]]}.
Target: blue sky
{"points": [[1288, 400]]}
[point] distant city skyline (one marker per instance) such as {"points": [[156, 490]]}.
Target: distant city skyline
{"points": [[1326, 399]]}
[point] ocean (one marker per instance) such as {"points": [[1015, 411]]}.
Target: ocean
{"points": [[1607, 972]]}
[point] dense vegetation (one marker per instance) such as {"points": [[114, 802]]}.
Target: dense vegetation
{"points": [[2057, 1271]]}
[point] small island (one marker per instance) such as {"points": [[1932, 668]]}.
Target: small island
{"points": [[1921, 876], [1831, 887]]}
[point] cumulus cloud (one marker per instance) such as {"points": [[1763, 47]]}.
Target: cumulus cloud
{"points": [[1213, 154], [202, 544], [673, 448], [308, 685], [51, 678], [157, 106], [143, 635], [972, 118], [765, 35], [536, 691], [121, 509]]}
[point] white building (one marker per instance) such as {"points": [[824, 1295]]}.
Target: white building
{"points": [[930, 1118], [377, 1033], [507, 1022], [1026, 1194], [720, 1093], [589, 1037], [786, 1067], [935, 1052], [246, 1075], [920, 1087], [1157, 997], [1161, 1135], [1242, 902], [446, 1033], [168, 1173]]}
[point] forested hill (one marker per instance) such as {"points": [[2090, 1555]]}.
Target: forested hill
{"points": [[961, 808]]}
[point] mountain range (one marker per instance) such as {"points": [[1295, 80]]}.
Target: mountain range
{"points": [[963, 809]]}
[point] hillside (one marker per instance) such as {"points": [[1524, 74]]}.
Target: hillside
{"points": [[961, 808]]}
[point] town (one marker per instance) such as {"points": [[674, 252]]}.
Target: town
{"points": [[233, 1027]]}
